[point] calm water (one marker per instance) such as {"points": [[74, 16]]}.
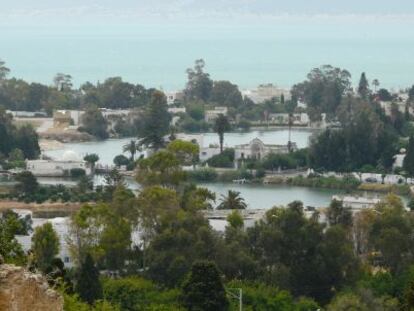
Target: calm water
{"points": [[268, 196], [246, 52], [108, 149]]}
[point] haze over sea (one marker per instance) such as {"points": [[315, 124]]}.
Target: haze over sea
{"points": [[245, 48]]}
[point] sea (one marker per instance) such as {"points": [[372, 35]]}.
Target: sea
{"points": [[247, 52]]}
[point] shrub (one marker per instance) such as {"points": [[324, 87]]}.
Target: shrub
{"points": [[121, 160], [77, 172], [223, 160], [204, 174]]}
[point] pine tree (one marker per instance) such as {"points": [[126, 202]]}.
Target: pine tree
{"points": [[203, 289], [88, 285], [363, 88], [156, 122]]}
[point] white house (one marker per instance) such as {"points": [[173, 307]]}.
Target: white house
{"points": [[357, 203], [399, 159], [401, 106], [209, 152], [298, 119], [211, 115], [266, 92], [256, 149], [175, 110], [27, 114], [57, 168], [174, 97]]}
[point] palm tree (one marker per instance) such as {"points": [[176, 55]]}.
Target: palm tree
{"points": [[132, 147], [221, 126], [376, 84], [233, 200], [91, 159]]}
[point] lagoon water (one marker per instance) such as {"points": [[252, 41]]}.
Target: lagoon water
{"points": [[110, 148], [247, 52]]}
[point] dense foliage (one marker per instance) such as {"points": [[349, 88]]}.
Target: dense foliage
{"points": [[24, 139]]}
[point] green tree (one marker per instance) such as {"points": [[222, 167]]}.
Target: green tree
{"points": [[91, 159], [45, 245], [63, 82], [156, 122], [376, 84], [224, 93], [363, 87], [409, 295], [186, 152], [221, 126], [161, 168], [323, 90], [390, 234], [199, 84], [4, 71], [88, 285], [132, 147], [27, 141], [121, 160], [135, 293], [94, 123], [337, 214], [10, 249], [16, 158], [233, 200], [27, 183], [408, 163], [411, 94], [203, 289], [197, 198]]}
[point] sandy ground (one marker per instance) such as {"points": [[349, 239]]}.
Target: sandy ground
{"points": [[48, 144], [67, 207]]}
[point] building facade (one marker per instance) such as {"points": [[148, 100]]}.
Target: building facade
{"points": [[256, 149], [55, 168], [211, 115]]}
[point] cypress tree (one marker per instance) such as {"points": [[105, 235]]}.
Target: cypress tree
{"points": [[408, 163], [88, 284], [203, 289], [363, 88]]}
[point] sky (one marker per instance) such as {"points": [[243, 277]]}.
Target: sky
{"points": [[77, 10]]}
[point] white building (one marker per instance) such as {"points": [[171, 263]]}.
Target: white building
{"points": [[399, 159], [174, 97], [211, 115], [27, 114], [256, 149], [357, 203], [401, 106], [57, 168], [175, 110], [266, 92], [298, 119], [209, 152], [193, 138], [60, 225]]}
